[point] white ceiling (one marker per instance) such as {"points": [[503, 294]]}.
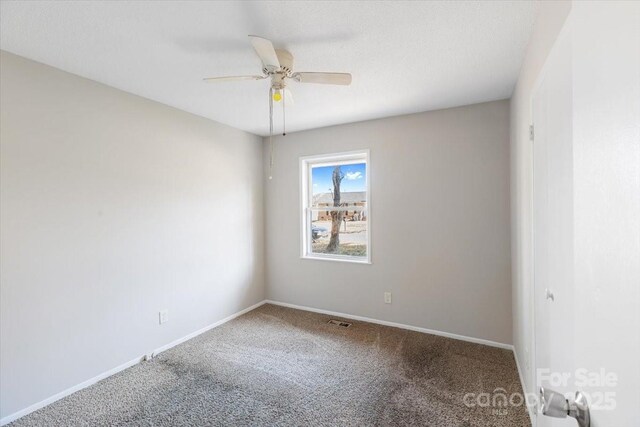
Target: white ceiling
{"points": [[405, 57]]}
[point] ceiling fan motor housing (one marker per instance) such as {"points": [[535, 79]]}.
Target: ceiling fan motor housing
{"points": [[286, 65]]}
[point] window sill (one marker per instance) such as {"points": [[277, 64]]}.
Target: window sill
{"points": [[336, 259]]}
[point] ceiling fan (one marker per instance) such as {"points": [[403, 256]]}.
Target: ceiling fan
{"points": [[277, 65]]}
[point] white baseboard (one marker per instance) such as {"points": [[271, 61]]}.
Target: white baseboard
{"points": [[21, 413], [418, 329], [524, 389], [87, 383], [395, 325], [49, 400], [206, 328]]}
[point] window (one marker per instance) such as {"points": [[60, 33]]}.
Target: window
{"points": [[335, 207]]}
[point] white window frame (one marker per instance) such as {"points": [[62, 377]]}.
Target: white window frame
{"points": [[306, 195]]}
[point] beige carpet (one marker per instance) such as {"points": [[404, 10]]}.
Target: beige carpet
{"points": [[277, 366]]}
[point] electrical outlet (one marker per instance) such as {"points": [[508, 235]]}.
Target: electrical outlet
{"points": [[387, 297], [163, 316]]}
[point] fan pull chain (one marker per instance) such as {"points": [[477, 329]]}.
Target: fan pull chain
{"points": [[284, 127], [270, 132]]}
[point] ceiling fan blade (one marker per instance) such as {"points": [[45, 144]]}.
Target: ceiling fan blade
{"points": [[323, 78], [266, 52], [233, 78]]}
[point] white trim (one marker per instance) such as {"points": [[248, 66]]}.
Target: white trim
{"points": [[342, 156], [49, 400], [21, 413], [509, 347], [338, 208], [395, 325], [522, 384], [89, 382], [337, 258], [306, 164], [533, 362], [207, 328]]}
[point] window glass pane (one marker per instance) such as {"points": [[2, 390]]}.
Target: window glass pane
{"points": [[339, 232], [335, 207], [349, 180]]}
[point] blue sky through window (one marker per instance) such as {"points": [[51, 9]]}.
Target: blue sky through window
{"points": [[355, 178]]}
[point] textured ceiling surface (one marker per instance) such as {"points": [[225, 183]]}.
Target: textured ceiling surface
{"points": [[405, 57]]}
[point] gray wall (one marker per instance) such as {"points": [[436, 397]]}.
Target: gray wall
{"points": [[439, 222], [114, 207]]}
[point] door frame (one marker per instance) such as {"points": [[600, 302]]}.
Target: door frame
{"points": [[533, 414]]}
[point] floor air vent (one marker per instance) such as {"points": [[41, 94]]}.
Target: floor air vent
{"points": [[339, 323]]}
